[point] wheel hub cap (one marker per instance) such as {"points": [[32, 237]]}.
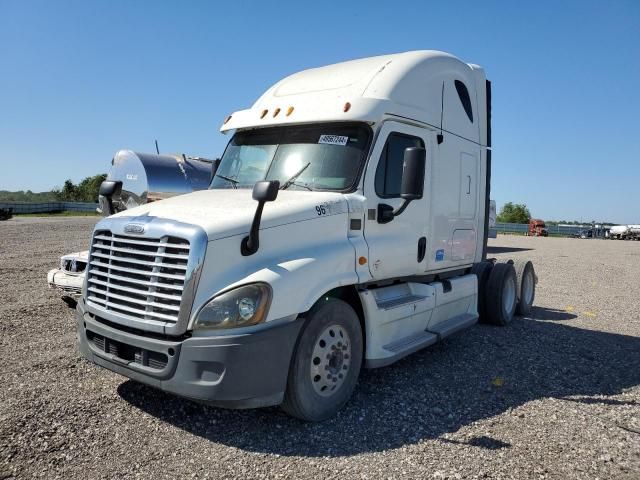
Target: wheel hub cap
{"points": [[331, 360]]}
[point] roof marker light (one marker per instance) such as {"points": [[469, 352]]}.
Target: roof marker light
{"points": [[264, 113], [276, 112], [346, 107], [289, 111]]}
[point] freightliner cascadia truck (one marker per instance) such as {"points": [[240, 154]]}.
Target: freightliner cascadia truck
{"points": [[345, 227]]}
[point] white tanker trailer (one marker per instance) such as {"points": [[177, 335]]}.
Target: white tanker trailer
{"points": [[133, 180], [625, 232]]}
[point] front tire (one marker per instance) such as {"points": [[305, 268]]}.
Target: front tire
{"points": [[326, 362]]}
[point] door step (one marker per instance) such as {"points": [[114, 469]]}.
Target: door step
{"points": [[399, 301], [408, 345], [403, 347], [412, 343], [454, 325]]}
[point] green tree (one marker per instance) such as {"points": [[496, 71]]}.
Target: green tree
{"points": [[69, 192], [85, 191], [89, 187], [514, 213]]}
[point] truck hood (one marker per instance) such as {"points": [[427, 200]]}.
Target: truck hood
{"points": [[224, 213]]}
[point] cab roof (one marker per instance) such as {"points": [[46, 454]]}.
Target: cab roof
{"points": [[409, 85]]}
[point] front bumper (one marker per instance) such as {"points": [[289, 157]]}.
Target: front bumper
{"points": [[234, 371], [68, 283]]}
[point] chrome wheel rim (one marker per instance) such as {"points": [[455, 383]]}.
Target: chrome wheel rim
{"points": [[527, 288], [330, 361], [509, 295]]}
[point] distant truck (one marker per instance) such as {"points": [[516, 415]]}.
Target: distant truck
{"points": [[537, 228], [624, 232], [345, 227]]}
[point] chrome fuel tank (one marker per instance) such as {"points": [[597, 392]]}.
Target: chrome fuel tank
{"points": [[149, 177]]}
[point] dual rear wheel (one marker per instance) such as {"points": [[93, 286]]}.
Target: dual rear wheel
{"points": [[504, 289]]}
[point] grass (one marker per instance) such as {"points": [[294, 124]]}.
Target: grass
{"points": [[66, 213]]}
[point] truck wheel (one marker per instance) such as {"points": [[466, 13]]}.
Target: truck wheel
{"points": [[326, 363], [482, 270], [501, 296], [526, 283]]}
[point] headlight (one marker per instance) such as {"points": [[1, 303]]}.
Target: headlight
{"points": [[241, 307]]}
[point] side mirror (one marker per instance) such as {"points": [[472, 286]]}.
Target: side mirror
{"points": [[412, 187], [265, 191], [108, 188]]}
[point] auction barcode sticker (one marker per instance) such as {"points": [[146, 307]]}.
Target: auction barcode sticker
{"points": [[333, 139]]}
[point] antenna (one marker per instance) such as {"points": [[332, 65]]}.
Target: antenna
{"points": [[440, 136], [157, 149]]}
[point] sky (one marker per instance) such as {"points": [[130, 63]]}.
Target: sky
{"points": [[80, 80]]}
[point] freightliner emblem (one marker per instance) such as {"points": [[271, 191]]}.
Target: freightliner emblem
{"points": [[134, 228]]}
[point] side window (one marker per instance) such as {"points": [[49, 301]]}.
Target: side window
{"points": [[389, 172], [463, 94]]}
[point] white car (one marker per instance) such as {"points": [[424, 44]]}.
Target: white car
{"points": [[70, 276]]}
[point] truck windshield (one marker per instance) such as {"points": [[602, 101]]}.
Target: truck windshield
{"points": [[311, 157]]}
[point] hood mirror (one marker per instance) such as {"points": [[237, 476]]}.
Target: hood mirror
{"points": [[265, 191]]}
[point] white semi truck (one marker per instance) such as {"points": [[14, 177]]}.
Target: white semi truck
{"points": [[345, 227]]}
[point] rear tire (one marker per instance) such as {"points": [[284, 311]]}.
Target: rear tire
{"points": [[526, 283], [482, 270], [326, 362], [501, 294]]}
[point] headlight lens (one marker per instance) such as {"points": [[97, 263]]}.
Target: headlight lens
{"points": [[241, 307]]}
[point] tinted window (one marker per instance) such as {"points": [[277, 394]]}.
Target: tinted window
{"points": [[389, 172], [463, 94]]}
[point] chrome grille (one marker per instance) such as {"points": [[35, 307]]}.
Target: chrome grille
{"points": [[140, 278]]}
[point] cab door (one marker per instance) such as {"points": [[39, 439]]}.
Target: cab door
{"points": [[396, 248]]}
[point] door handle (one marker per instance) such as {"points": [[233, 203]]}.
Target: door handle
{"points": [[422, 248], [469, 185]]}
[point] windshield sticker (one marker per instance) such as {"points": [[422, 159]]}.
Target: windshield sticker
{"points": [[333, 140]]}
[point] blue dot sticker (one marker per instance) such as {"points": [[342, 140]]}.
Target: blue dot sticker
{"points": [[440, 255]]}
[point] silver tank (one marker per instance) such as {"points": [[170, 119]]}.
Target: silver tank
{"points": [[148, 177]]}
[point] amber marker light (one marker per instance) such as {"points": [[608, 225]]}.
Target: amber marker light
{"points": [[289, 111], [276, 112], [346, 107], [264, 113], [362, 260]]}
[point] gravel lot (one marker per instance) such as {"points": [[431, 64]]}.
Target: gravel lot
{"points": [[556, 395]]}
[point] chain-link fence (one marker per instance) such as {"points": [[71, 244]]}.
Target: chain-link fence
{"points": [[560, 230], [49, 207]]}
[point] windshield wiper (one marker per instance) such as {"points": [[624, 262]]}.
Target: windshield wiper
{"points": [[293, 177], [301, 185], [233, 181]]}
